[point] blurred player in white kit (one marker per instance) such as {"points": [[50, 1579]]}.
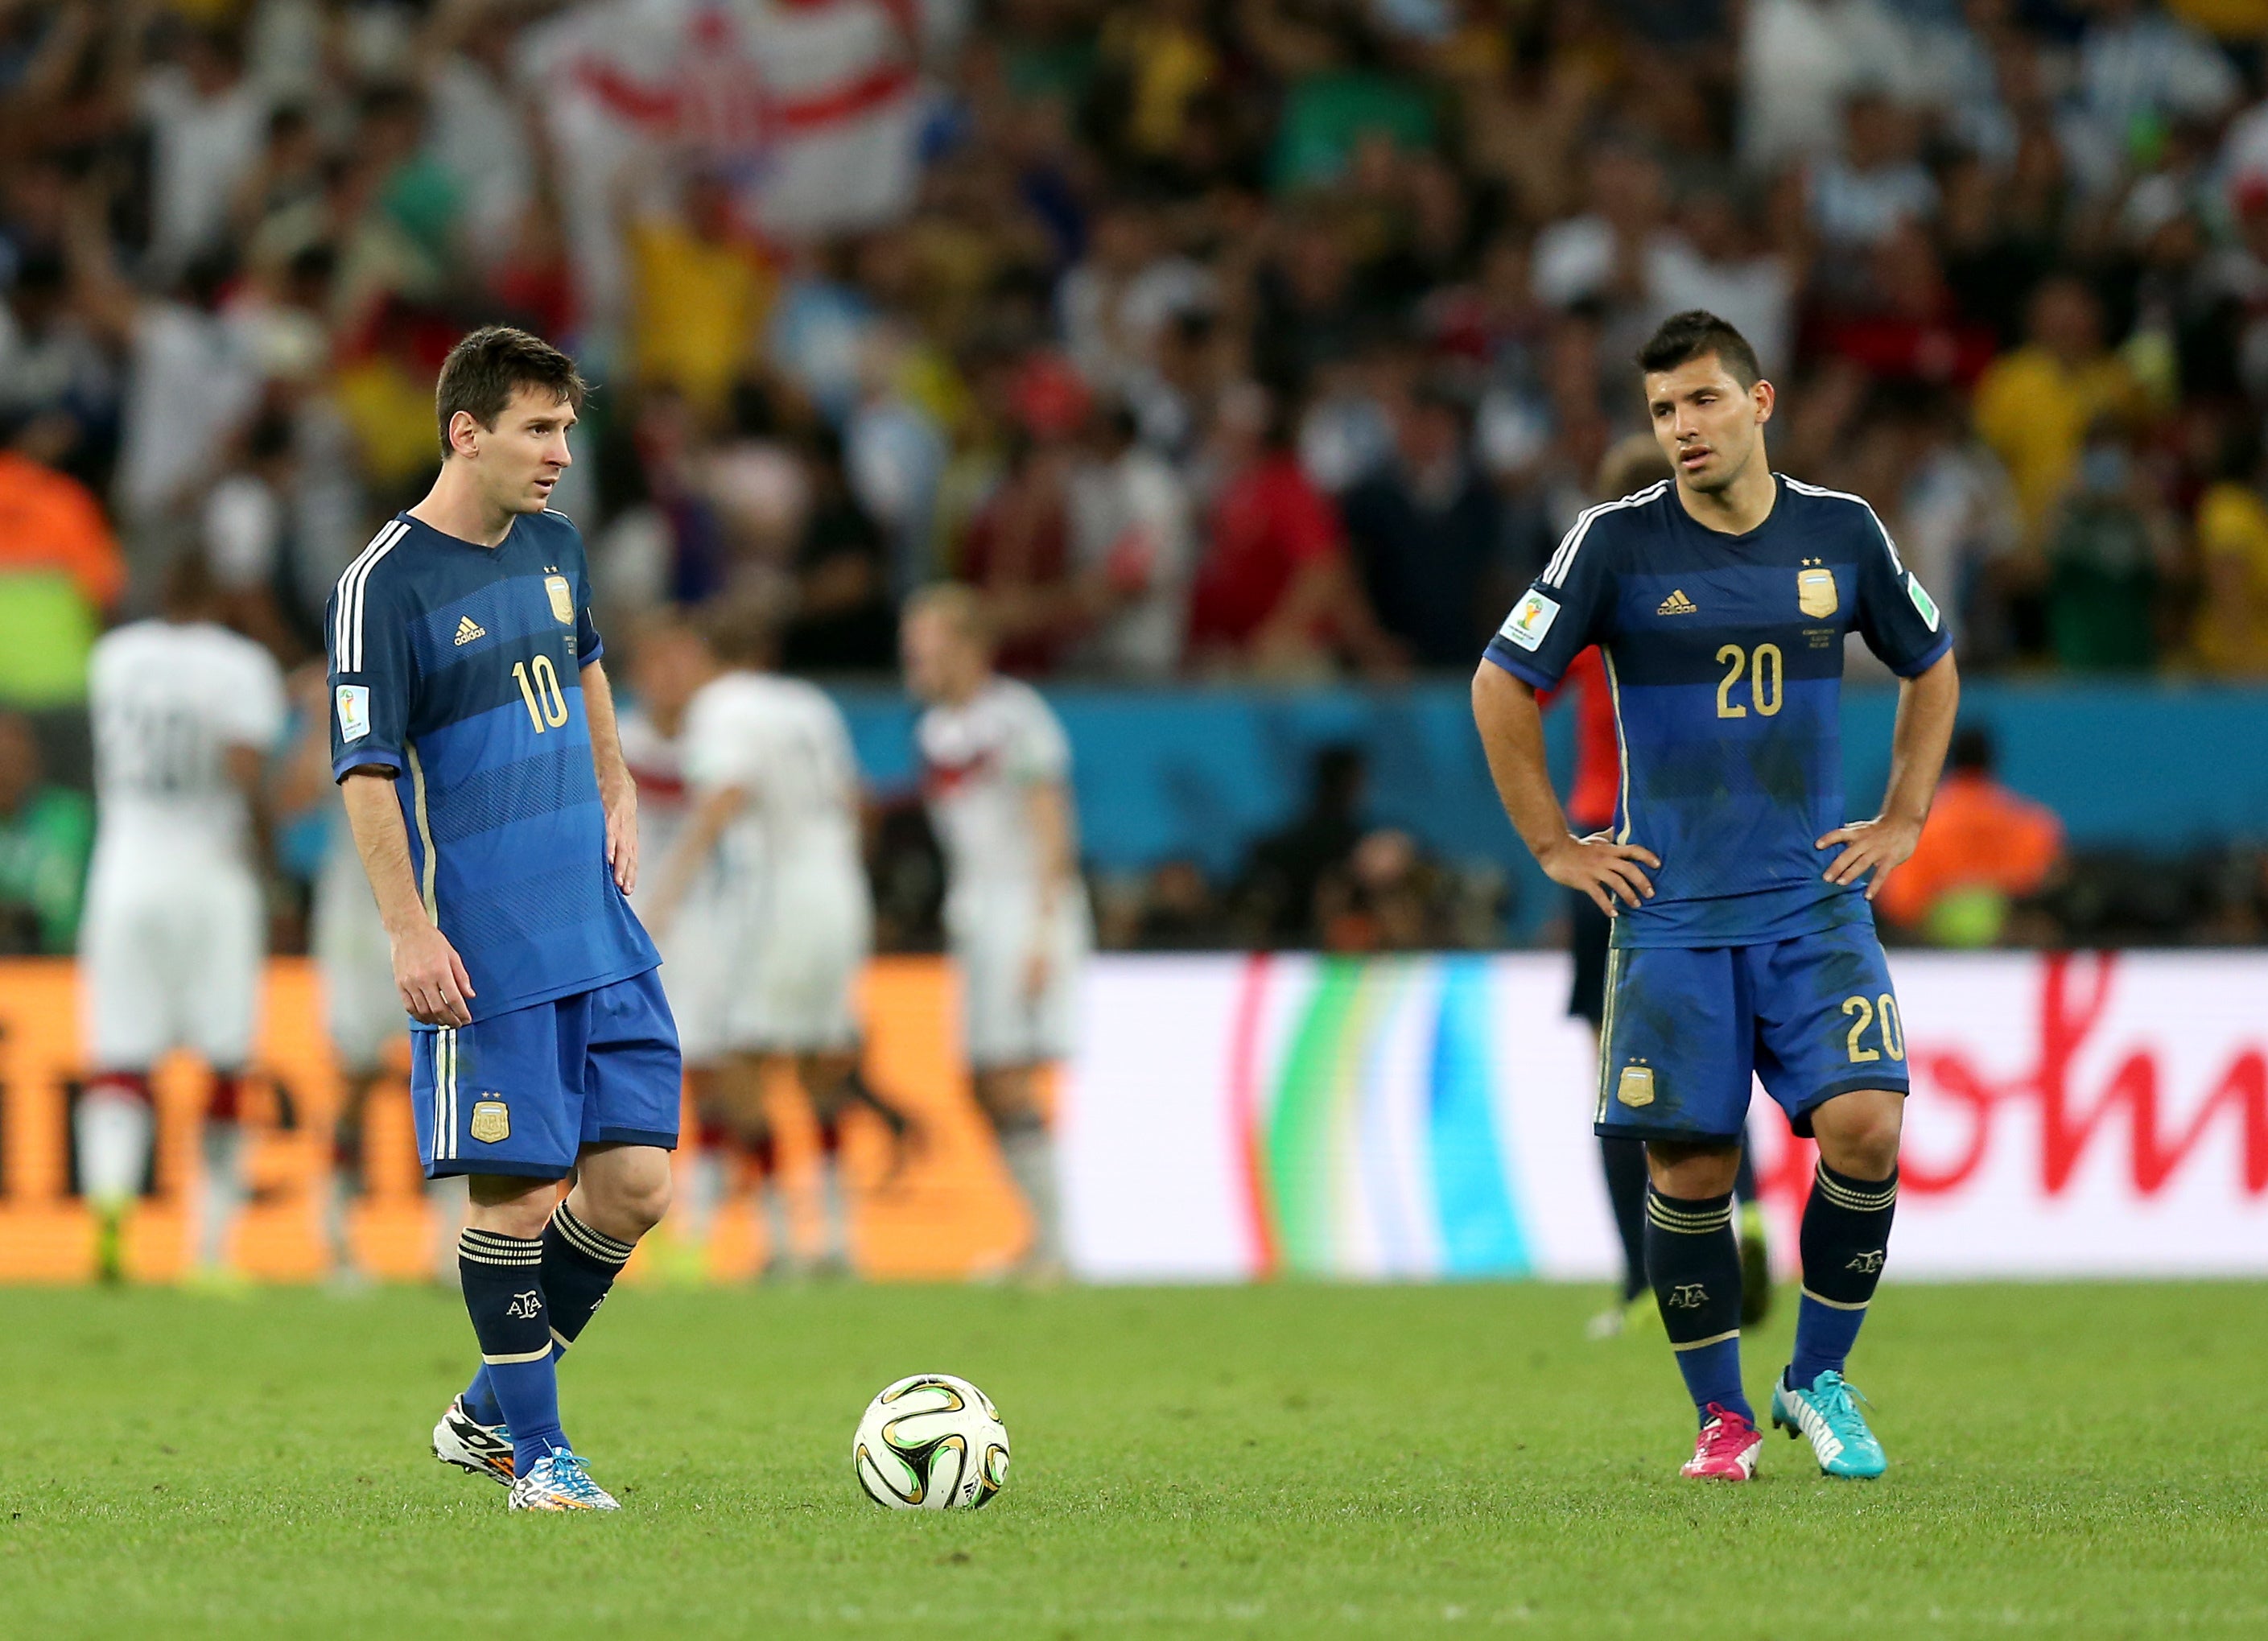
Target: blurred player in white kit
{"points": [[669, 662], [362, 1010], [996, 772], [775, 796], [186, 713]]}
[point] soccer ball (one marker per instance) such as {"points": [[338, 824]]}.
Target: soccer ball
{"points": [[930, 1442]]}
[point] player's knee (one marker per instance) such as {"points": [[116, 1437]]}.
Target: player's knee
{"points": [[1859, 1134], [629, 1204]]}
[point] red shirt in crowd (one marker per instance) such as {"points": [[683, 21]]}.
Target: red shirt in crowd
{"points": [[1268, 525]]}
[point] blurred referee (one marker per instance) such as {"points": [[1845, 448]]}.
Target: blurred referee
{"points": [[1631, 465]]}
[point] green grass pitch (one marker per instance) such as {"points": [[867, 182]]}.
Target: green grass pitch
{"points": [[1292, 1461]]}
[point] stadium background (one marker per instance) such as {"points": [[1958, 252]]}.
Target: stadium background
{"points": [[1248, 358]]}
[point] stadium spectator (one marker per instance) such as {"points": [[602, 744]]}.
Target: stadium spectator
{"points": [[1982, 850], [1425, 534], [2231, 630], [47, 832], [59, 572], [2034, 406]]}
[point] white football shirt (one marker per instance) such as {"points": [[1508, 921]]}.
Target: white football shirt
{"points": [[783, 743], [168, 699], [979, 762]]}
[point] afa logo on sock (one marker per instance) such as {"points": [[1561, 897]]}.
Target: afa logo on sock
{"points": [[525, 1307], [1867, 1263], [1687, 1296]]}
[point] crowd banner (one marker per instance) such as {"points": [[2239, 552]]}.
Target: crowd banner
{"points": [[1236, 1117]]}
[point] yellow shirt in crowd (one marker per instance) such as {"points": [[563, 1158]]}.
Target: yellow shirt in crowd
{"points": [[702, 303], [2232, 622], [2034, 412]]}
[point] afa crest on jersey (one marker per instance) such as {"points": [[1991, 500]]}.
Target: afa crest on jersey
{"points": [[1815, 593], [562, 600]]}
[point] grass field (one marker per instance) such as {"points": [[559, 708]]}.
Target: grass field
{"points": [[2076, 1461]]}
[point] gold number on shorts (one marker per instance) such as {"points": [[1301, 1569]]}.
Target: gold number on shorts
{"points": [[546, 702], [1724, 707], [1864, 1011], [1767, 699], [1894, 1031]]}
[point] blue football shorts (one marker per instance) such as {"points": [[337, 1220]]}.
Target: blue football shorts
{"points": [[524, 1092], [1686, 1029]]}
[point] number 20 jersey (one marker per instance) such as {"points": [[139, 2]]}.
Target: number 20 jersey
{"points": [[460, 668], [1725, 664]]}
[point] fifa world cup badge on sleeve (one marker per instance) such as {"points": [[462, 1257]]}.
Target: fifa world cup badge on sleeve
{"points": [[1530, 620], [492, 1122], [1815, 591], [563, 601], [1922, 601], [354, 712]]}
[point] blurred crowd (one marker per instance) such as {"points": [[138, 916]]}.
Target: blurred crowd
{"points": [[1263, 338]]}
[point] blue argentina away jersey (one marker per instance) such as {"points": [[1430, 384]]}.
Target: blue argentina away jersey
{"points": [[460, 667], [1725, 657]]}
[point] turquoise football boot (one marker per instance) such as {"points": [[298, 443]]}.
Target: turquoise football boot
{"points": [[1824, 1411]]}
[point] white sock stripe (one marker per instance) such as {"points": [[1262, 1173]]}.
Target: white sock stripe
{"points": [[1694, 1344], [1833, 1305], [561, 1339], [1862, 1202], [524, 1356], [597, 1244]]}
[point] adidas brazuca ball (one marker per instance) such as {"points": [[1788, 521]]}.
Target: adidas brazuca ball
{"points": [[930, 1442]]}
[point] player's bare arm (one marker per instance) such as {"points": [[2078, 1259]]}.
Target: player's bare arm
{"points": [[1511, 726], [693, 846], [616, 790], [427, 970], [1926, 706], [1048, 805]]}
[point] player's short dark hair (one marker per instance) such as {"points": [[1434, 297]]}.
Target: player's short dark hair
{"points": [[487, 368], [1684, 337]]}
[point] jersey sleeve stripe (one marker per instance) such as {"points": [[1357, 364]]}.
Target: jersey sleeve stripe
{"points": [[1897, 566], [346, 620], [1555, 573]]}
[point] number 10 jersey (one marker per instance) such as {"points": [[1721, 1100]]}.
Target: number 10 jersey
{"points": [[459, 668]]}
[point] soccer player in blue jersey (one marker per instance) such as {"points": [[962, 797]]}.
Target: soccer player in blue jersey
{"points": [[473, 733], [1744, 943]]}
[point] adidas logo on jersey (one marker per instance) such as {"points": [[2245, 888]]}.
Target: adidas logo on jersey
{"points": [[468, 629], [1675, 603]]}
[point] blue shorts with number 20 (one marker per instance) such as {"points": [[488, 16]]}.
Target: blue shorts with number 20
{"points": [[1686, 1028], [524, 1092]]}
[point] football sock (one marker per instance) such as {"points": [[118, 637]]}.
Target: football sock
{"points": [[1625, 1164], [857, 1087], [502, 1277], [1695, 1263], [220, 1195], [1744, 1181], [834, 1211], [1846, 1232], [580, 1265], [112, 1126], [1030, 1152]]}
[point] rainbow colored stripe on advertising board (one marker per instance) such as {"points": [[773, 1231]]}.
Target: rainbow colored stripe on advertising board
{"points": [[1362, 1094]]}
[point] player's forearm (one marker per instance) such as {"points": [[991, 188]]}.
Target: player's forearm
{"points": [[1051, 828], [383, 843], [1926, 707], [606, 740], [703, 829], [1511, 726]]}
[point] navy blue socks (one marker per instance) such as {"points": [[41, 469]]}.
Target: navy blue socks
{"points": [[1693, 1260], [580, 1265], [502, 1278], [1846, 1232]]}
